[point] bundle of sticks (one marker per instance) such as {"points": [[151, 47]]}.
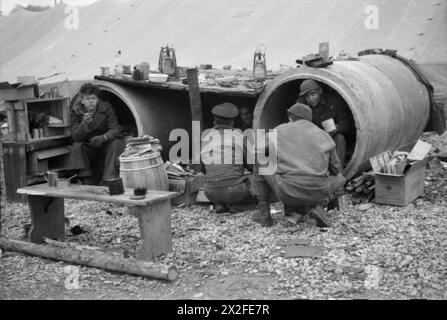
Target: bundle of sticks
{"points": [[362, 187]]}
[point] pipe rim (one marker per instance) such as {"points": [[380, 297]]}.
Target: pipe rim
{"points": [[331, 80]]}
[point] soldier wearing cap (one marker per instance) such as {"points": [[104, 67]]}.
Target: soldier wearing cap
{"points": [[224, 155], [326, 107], [307, 171]]}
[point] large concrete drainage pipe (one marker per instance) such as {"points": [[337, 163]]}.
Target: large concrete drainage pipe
{"points": [[389, 106], [149, 111]]}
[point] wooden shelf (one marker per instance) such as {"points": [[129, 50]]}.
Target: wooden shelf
{"points": [[240, 90]]}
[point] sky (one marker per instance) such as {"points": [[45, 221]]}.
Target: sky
{"points": [[6, 6]]}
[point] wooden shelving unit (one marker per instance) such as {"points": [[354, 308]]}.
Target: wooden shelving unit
{"points": [[27, 159]]}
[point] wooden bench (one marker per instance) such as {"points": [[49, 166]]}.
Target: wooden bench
{"points": [[154, 214]]}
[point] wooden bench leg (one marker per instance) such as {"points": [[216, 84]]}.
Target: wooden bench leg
{"points": [[155, 230], [47, 218]]}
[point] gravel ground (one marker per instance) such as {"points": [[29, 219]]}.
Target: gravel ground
{"points": [[372, 252]]}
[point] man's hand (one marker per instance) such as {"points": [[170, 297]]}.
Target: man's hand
{"points": [[333, 133], [88, 117], [97, 141]]}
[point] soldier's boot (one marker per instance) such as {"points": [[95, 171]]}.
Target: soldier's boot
{"points": [[262, 215], [294, 214], [333, 204], [319, 215], [220, 208]]}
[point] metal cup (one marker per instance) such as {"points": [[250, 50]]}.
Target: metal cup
{"points": [[329, 125], [115, 186], [105, 71], [52, 178], [36, 134]]}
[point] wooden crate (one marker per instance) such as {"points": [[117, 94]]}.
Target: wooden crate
{"points": [[400, 190]]}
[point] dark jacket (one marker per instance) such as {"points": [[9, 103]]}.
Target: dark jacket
{"points": [[220, 174], [332, 107], [104, 123]]}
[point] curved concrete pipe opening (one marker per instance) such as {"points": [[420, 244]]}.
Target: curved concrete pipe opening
{"points": [[146, 111], [389, 106]]}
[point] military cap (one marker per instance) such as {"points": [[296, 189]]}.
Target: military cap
{"points": [[225, 110], [301, 110], [307, 86]]}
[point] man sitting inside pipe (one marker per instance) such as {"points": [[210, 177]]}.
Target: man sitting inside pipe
{"points": [[306, 173], [246, 120], [224, 154], [330, 113], [97, 137]]}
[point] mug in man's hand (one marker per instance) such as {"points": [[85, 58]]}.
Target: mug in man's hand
{"points": [[329, 125], [88, 117]]}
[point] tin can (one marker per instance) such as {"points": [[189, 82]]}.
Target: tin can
{"points": [[36, 134], [52, 178], [105, 71]]}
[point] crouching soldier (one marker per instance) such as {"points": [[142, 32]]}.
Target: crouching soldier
{"points": [[96, 135], [307, 169], [224, 154]]}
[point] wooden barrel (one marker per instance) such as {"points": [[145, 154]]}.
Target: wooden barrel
{"points": [[144, 172]]}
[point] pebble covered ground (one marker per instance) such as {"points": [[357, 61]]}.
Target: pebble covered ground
{"points": [[372, 252]]}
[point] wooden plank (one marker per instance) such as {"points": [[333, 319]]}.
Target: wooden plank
{"points": [[194, 96], [8, 167], [48, 143], [51, 153], [22, 126], [93, 193], [18, 106], [20, 170], [47, 218], [15, 170], [12, 129], [155, 230], [303, 251], [45, 100], [293, 242], [238, 91]]}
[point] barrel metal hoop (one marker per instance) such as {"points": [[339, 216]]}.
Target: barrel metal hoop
{"points": [[139, 169]]}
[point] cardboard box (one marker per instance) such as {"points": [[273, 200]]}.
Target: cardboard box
{"points": [[400, 190], [16, 91], [188, 189]]}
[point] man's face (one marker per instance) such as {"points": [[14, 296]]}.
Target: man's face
{"points": [[246, 116], [313, 98], [90, 102]]}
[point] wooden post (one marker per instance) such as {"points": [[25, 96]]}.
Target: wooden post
{"points": [[12, 129], [194, 95], [155, 229], [47, 218], [14, 163], [196, 113]]}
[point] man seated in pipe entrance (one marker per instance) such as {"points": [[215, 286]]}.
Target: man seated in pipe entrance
{"points": [[96, 134]]}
